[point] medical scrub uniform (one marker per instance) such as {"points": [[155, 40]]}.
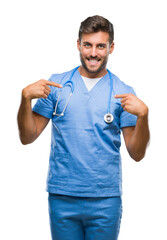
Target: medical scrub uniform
{"points": [[85, 176]]}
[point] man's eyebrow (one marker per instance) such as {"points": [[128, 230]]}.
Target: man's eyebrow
{"points": [[103, 44], [86, 43]]}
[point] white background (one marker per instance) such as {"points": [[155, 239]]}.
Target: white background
{"points": [[38, 38]]}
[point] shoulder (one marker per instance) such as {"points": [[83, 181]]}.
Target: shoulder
{"points": [[120, 87], [60, 77]]}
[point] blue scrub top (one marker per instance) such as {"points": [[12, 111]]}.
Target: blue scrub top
{"points": [[85, 156]]}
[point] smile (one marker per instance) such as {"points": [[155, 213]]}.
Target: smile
{"points": [[93, 61]]}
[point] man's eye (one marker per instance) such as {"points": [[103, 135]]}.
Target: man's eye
{"points": [[87, 45], [101, 46]]}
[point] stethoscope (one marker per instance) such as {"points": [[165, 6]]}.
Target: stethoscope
{"points": [[108, 117]]}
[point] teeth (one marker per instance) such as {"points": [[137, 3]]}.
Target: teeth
{"points": [[93, 61]]}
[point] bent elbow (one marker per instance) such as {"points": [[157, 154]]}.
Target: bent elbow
{"points": [[138, 158], [25, 141]]}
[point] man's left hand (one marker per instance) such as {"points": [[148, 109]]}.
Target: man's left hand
{"points": [[133, 105]]}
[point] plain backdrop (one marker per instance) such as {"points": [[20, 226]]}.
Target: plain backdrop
{"points": [[38, 38]]}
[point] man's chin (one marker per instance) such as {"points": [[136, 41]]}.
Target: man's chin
{"points": [[96, 69], [93, 69]]}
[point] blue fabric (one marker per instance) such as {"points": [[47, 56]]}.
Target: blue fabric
{"points": [[81, 218], [85, 156]]}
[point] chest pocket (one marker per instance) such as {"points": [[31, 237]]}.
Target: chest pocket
{"points": [[101, 110], [109, 133]]}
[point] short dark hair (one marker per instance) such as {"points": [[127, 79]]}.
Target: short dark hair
{"points": [[95, 24]]}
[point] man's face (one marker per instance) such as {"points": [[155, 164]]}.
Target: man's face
{"points": [[94, 49]]}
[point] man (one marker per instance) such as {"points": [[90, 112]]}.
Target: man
{"points": [[84, 178]]}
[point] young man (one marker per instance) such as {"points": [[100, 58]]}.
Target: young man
{"points": [[89, 106]]}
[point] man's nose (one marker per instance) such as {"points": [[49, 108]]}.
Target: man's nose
{"points": [[93, 51]]}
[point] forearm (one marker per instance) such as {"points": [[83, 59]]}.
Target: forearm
{"points": [[139, 140], [26, 123]]}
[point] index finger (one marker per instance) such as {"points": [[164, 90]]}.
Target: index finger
{"points": [[53, 84], [121, 95]]}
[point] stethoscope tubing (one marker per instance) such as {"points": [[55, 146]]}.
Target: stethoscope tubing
{"points": [[108, 118]]}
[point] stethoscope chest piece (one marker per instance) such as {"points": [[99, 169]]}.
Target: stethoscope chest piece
{"points": [[108, 118]]}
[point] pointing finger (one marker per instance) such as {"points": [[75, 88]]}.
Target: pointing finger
{"points": [[53, 84], [121, 95]]}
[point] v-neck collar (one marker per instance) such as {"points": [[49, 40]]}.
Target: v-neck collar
{"points": [[80, 82]]}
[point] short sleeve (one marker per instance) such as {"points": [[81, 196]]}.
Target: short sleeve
{"points": [[128, 119], [45, 107]]}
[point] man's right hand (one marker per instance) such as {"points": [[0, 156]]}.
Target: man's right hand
{"points": [[39, 89]]}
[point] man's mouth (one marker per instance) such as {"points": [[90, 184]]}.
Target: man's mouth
{"points": [[93, 61]]}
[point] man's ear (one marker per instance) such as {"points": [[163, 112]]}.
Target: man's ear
{"points": [[111, 48], [78, 44]]}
